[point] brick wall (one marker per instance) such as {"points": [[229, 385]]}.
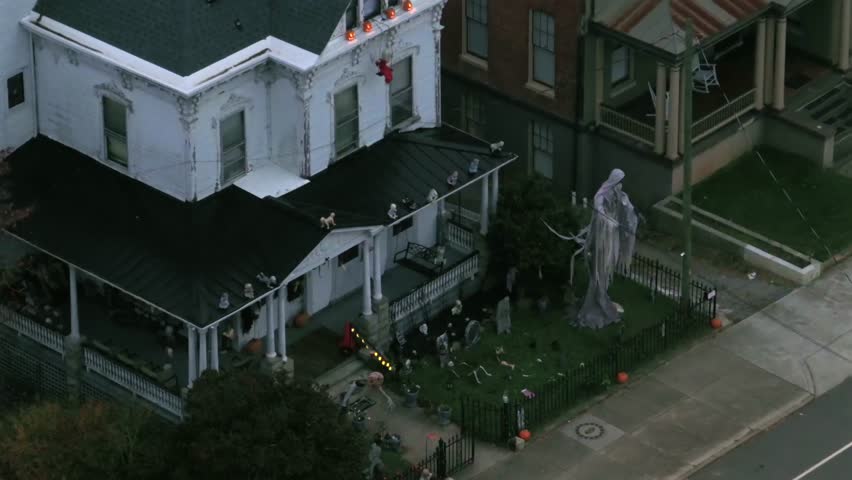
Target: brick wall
{"points": [[508, 55]]}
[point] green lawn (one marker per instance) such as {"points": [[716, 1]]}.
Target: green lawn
{"points": [[744, 193], [540, 346]]}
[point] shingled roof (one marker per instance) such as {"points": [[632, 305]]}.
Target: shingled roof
{"points": [[184, 36]]}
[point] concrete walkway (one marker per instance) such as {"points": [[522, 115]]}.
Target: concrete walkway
{"points": [[703, 401]]}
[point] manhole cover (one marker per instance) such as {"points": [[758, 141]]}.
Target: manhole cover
{"points": [[590, 430]]}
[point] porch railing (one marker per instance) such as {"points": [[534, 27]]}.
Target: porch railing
{"points": [[31, 329], [460, 236], [723, 115], [626, 125], [134, 382], [402, 308]]}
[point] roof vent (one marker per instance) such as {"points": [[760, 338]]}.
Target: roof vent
{"points": [[238, 24]]}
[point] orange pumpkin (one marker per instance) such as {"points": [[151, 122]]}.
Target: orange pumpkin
{"points": [[716, 323], [622, 377], [301, 319], [524, 435]]}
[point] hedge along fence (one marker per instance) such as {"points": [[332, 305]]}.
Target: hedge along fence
{"points": [[499, 422]]}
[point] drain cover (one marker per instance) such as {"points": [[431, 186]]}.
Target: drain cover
{"points": [[590, 430]]}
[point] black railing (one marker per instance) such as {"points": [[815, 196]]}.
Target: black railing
{"points": [[498, 423], [448, 458]]}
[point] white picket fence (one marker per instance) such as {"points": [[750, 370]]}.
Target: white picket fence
{"points": [[32, 330], [135, 383], [403, 307]]}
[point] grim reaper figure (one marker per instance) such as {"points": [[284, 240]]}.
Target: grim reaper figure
{"points": [[607, 244]]}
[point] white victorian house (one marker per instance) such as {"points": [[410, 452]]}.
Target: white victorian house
{"points": [[177, 151]]}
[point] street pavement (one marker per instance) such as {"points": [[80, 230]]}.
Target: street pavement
{"points": [[815, 443], [706, 401]]}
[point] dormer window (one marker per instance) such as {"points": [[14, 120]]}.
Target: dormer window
{"points": [[372, 8], [115, 131], [232, 137]]}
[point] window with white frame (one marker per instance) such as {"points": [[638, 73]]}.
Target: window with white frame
{"points": [[473, 118], [352, 15], [15, 90], [232, 136], [115, 130], [543, 48], [346, 120], [619, 65], [542, 148], [372, 8], [476, 27], [401, 92]]}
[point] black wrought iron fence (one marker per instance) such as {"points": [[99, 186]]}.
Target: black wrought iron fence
{"points": [[449, 457]]}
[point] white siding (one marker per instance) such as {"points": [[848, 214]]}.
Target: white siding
{"points": [[18, 124]]}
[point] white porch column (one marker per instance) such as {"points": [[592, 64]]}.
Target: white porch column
{"points": [[780, 60], [377, 266], [270, 328], [75, 312], [192, 355], [845, 26], [214, 348], [759, 64], [674, 112], [282, 322], [660, 111], [202, 351], [483, 207], [495, 190], [366, 303], [599, 77]]}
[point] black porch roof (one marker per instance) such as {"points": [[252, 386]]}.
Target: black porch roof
{"points": [[360, 188], [179, 256]]}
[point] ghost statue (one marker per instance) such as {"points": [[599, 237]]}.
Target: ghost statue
{"points": [[607, 244]]}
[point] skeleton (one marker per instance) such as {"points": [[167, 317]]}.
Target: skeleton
{"points": [[327, 222], [269, 281], [376, 380], [224, 301], [499, 351], [475, 371], [607, 243], [497, 147], [457, 308], [248, 291]]}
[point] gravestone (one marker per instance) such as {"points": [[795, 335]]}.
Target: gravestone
{"points": [[442, 343], [504, 316], [472, 334]]}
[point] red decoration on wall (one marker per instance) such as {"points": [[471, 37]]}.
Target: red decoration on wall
{"points": [[347, 343], [385, 70]]}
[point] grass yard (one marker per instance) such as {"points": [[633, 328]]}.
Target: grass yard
{"points": [[540, 346], [744, 193]]}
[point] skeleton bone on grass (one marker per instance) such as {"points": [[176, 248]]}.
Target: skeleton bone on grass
{"points": [[475, 371]]}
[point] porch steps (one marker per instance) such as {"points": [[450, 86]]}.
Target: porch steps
{"points": [[834, 108], [343, 372]]}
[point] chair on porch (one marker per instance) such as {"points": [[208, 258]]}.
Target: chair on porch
{"points": [[654, 102], [703, 73]]}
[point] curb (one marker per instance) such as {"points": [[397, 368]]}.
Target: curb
{"points": [[742, 436]]}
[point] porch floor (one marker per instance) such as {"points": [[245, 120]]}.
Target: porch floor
{"points": [[736, 76]]}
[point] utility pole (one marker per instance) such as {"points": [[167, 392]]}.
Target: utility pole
{"points": [[686, 69]]}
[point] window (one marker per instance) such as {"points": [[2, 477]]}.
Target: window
{"points": [[15, 90], [402, 100], [476, 27], [346, 120], [115, 130], [352, 15], [232, 135], [542, 149], [372, 8], [403, 226], [393, 3], [619, 65], [473, 118], [543, 49], [348, 256]]}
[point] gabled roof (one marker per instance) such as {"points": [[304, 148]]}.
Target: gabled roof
{"points": [[662, 23], [178, 256], [184, 36], [360, 188]]}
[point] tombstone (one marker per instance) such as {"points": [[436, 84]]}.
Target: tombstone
{"points": [[472, 334], [442, 343], [504, 316]]}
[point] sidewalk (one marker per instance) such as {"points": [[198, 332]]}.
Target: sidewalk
{"points": [[703, 401]]}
